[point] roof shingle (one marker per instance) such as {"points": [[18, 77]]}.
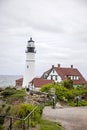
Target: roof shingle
{"points": [[38, 82]]}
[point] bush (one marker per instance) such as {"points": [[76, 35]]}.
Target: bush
{"points": [[64, 94], [2, 120], [70, 95], [1, 127], [38, 114], [68, 83], [5, 109], [61, 93], [8, 110], [8, 92], [11, 95], [80, 103], [46, 88], [22, 110], [17, 124]]}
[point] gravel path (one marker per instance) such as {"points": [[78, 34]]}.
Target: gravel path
{"points": [[71, 118]]}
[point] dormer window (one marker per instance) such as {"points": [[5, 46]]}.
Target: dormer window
{"points": [[45, 76], [53, 70], [77, 77]]}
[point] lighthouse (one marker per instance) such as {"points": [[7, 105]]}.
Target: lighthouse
{"points": [[30, 63]]}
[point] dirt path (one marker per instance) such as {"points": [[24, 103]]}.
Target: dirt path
{"points": [[71, 118]]}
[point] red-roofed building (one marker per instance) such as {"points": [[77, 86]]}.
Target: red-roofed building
{"points": [[19, 83], [56, 74], [60, 73], [39, 82]]}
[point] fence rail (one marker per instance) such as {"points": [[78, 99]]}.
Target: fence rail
{"points": [[14, 123]]}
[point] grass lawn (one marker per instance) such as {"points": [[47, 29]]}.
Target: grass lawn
{"points": [[49, 125]]}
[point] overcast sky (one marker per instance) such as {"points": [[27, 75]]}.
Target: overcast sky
{"points": [[58, 27]]}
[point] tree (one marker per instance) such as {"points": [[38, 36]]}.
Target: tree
{"points": [[68, 83]]}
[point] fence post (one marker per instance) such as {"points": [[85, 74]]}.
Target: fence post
{"points": [[28, 122], [10, 123], [23, 124], [34, 115]]}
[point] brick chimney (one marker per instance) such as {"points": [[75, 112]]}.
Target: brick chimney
{"points": [[72, 66], [58, 65], [52, 66]]}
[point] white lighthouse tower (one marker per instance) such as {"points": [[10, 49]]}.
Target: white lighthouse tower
{"points": [[30, 63]]}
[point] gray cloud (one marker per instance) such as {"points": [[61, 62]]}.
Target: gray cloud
{"points": [[59, 28]]}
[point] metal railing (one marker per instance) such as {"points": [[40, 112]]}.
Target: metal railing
{"points": [[29, 118], [14, 123]]}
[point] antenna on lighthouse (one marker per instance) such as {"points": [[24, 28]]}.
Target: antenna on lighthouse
{"points": [[29, 63]]}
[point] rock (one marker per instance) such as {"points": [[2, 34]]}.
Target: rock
{"points": [[58, 105]]}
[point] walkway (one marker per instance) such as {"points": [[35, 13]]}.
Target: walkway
{"points": [[71, 118]]}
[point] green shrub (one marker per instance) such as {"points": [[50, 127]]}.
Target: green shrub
{"points": [[17, 124], [68, 83], [8, 110], [61, 92], [70, 95], [2, 118], [65, 95], [8, 92], [22, 110], [33, 124], [80, 103], [46, 88], [1, 127], [37, 116], [3, 105]]}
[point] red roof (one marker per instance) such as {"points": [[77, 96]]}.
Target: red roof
{"points": [[38, 82], [19, 80], [65, 72]]}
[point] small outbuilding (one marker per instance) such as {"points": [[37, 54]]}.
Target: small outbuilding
{"points": [[37, 83], [19, 83]]}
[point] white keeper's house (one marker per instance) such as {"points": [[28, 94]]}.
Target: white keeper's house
{"points": [[54, 74], [59, 74]]}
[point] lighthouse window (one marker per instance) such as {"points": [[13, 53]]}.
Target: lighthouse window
{"points": [[27, 66]]}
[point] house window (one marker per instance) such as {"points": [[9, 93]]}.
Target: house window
{"points": [[45, 76], [77, 78], [51, 77], [56, 77], [71, 77]]}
